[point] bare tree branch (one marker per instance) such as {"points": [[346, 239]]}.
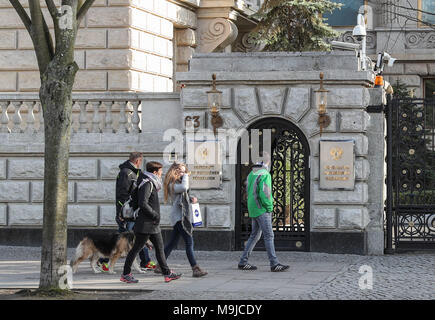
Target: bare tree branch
{"points": [[52, 9], [54, 12], [48, 38], [389, 7], [413, 19], [83, 10], [40, 40], [22, 13], [408, 8]]}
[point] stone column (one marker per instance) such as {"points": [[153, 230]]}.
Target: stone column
{"points": [[376, 181], [186, 42]]}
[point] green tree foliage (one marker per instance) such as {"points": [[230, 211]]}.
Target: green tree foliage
{"points": [[400, 90], [294, 25]]}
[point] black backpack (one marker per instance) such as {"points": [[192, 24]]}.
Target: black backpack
{"points": [[131, 210]]}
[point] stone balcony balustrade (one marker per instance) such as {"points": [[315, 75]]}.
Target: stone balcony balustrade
{"points": [[92, 113]]}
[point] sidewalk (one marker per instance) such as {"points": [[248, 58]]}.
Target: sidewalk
{"points": [[311, 276]]}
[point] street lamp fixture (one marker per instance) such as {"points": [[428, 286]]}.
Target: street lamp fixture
{"points": [[214, 104], [321, 103]]}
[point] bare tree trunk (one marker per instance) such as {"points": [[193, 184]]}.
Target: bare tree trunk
{"points": [[56, 99], [58, 70]]}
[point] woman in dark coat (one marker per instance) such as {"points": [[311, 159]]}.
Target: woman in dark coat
{"points": [[147, 225]]}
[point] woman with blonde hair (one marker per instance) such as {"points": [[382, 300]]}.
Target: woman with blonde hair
{"points": [[176, 187]]}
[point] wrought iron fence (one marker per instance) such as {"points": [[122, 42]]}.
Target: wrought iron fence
{"points": [[410, 210]]}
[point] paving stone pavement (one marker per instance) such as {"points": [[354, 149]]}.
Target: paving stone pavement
{"points": [[398, 277], [312, 276]]}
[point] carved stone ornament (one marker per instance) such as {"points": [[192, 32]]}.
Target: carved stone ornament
{"points": [[347, 37], [218, 34], [420, 40], [246, 44]]}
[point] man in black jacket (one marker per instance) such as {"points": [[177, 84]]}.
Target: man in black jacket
{"points": [[147, 223], [126, 182]]}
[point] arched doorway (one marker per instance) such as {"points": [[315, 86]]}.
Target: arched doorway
{"points": [[290, 187]]}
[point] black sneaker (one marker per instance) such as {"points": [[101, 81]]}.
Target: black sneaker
{"points": [[172, 276], [247, 267], [279, 267], [128, 278]]}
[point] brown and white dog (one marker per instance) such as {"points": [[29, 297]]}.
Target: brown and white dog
{"points": [[96, 246]]}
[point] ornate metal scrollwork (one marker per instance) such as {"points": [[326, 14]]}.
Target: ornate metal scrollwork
{"points": [[414, 172], [288, 180], [290, 187]]}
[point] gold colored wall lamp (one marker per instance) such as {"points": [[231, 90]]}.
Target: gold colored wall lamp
{"points": [[214, 104], [321, 103]]}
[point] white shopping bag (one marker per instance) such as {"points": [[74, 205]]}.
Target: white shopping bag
{"points": [[196, 214]]}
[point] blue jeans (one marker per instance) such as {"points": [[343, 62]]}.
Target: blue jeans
{"points": [[261, 224], [143, 254], [188, 241]]}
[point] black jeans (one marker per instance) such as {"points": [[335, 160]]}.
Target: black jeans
{"points": [[139, 243], [144, 254]]}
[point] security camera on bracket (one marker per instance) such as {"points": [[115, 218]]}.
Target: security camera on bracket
{"points": [[379, 68], [382, 57], [359, 33], [345, 45]]}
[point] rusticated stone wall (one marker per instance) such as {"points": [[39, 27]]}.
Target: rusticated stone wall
{"points": [[91, 190], [122, 45], [94, 160]]}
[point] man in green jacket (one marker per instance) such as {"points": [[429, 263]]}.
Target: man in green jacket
{"points": [[260, 207]]}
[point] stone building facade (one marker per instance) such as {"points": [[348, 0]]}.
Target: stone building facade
{"points": [[280, 89], [133, 45], [127, 45], [398, 27], [132, 56]]}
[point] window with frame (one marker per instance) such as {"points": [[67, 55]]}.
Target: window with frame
{"points": [[347, 15], [428, 11], [429, 88]]}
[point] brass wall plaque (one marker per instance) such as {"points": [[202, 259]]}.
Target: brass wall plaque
{"points": [[206, 171], [337, 164]]}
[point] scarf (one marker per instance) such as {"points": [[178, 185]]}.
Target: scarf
{"points": [[186, 221], [155, 179]]}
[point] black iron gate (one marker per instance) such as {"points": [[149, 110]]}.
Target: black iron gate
{"points": [[290, 187], [410, 209]]}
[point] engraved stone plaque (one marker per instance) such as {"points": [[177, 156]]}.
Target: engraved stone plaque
{"points": [[337, 164]]}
